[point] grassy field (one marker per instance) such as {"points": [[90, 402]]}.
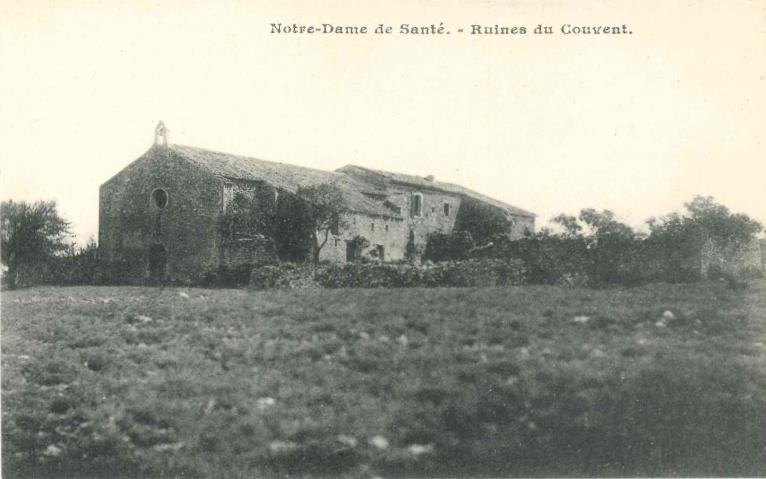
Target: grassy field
{"points": [[135, 382]]}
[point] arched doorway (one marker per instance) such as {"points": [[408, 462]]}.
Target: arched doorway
{"points": [[157, 263]]}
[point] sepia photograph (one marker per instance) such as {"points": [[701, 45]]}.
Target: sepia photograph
{"points": [[412, 239]]}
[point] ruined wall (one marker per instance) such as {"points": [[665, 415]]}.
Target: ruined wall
{"points": [[392, 233], [247, 252], [748, 261], [521, 224], [132, 225], [187, 232], [433, 218]]}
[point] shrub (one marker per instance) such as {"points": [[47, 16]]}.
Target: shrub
{"points": [[446, 247], [547, 259], [283, 276], [80, 266], [485, 272], [481, 220], [367, 275]]}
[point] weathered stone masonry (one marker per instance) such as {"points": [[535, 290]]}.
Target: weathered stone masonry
{"points": [[131, 223], [160, 216]]}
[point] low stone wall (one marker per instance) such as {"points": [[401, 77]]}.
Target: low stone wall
{"points": [[247, 251]]}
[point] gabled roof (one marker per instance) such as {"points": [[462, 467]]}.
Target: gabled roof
{"points": [[281, 175], [378, 179], [359, 185]]}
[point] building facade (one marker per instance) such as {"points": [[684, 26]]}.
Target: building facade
{"points": [[160, 217]]}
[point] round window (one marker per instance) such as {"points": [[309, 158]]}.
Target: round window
{"points": [[160, 198]]}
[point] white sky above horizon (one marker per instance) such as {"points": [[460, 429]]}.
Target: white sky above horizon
{"points": [[638, 124]]}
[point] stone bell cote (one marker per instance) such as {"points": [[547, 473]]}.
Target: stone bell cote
{"points": [[161, 134]]}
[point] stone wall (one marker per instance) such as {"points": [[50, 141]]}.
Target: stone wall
{"points": [[394, 234], [247, 251], [132, 227], [136, 234]]}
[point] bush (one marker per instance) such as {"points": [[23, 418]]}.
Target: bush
{"points": [[485, 272], [367, 275], [283, 276], [80, 267], [229, 277], [481, 220], [547, 259], [446, 247]]}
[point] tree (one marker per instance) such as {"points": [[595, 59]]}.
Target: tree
{"points": [[30, 234], [677, 242], [247, 216], [481, 220], [717, 223], [572, 228], [453, 246], [613, 248], [355, 247], [325, 208], [292, 231]]}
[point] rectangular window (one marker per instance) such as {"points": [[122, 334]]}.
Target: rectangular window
{"points": [[417, 204], [227, 195], [372, 226], [446, 209]]}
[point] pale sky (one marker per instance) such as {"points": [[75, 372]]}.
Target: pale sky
{"points": [[638, 123]]}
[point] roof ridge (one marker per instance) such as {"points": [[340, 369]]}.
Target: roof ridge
{"points": [[290, 177], [284, 176], [174, 146], [454, 188]]}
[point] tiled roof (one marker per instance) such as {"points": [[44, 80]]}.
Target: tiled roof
{"points": [[281, 175], [356, 183], [379, 178]]}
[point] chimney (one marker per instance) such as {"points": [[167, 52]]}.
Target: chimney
{"points": [[430, 178], [161, 134]]}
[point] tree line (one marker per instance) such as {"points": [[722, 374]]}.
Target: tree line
{"points": [[593, 248]]}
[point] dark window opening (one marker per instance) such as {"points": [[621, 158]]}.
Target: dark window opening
{"points": [[160, 198], [417, 205], [392, 207], [446, 209], [372, 226], [381, 252], [335, 227], [352, 251], [386, 227]]}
